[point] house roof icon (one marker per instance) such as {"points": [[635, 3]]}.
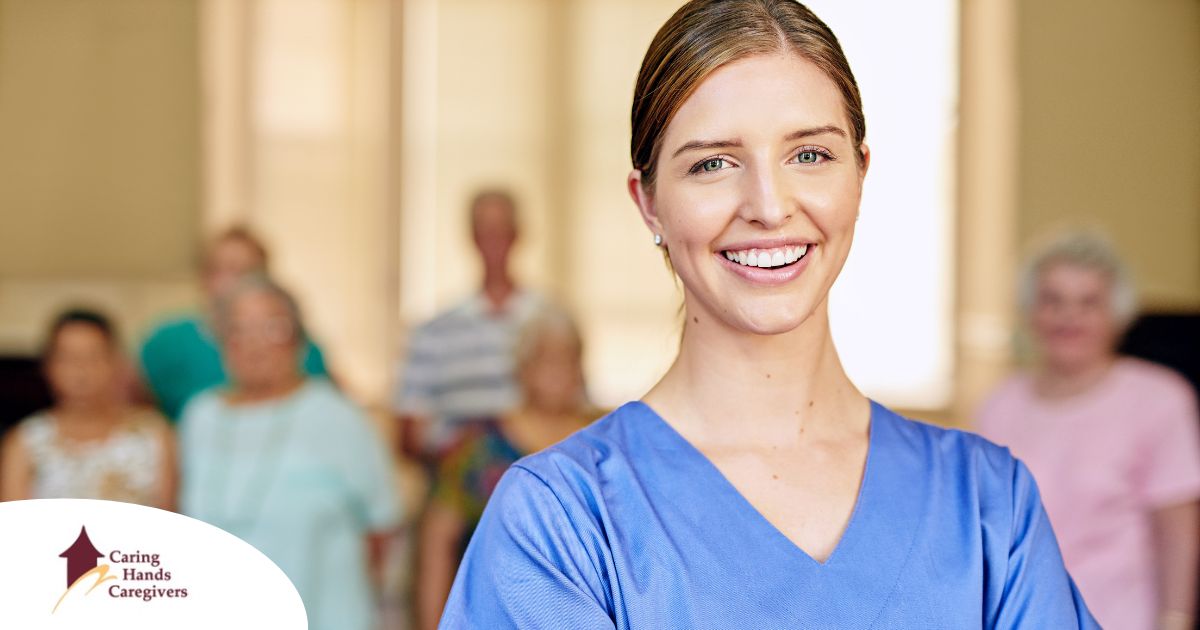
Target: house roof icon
{"points": [[81, 557]]}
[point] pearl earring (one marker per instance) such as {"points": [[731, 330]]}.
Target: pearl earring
{"points": [[658, 241]]}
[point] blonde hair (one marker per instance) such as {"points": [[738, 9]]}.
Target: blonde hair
{"points": [[1088, 249], [704, 35]]}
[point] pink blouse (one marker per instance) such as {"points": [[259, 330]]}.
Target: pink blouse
{"points": [[1105, 460]]}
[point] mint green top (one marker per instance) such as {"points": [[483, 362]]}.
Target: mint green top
{"points": [[304, 479], [181, 358]]}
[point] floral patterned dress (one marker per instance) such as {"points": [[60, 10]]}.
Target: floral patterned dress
{"points": [[124, 467], [470, 469]]}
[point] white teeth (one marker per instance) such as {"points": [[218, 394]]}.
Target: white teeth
{"points": [[767, 259]]}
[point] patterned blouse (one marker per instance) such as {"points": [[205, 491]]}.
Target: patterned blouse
{"points": [[124, 467], [469, 471]]}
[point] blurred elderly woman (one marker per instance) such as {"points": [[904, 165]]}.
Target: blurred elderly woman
{"points": [[554, 404], [91, 444], [287, 463], [1112, 441]]}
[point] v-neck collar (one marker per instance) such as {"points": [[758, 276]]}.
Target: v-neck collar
{"points": [[874, 548], [713, 473]]}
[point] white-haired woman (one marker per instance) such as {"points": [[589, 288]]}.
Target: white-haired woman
{"points": [[287, 463], [1113, 441]]}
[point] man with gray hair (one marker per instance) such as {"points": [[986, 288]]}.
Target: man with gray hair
{"points": [[460, 363]]}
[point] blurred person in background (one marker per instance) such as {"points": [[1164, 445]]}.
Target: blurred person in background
{"points": [[181, 357], [287, 463], [554, 404], [92, 444], [460, 363], [1113, 441]]}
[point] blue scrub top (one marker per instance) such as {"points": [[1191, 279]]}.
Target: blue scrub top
{"points": [[627, 525]]}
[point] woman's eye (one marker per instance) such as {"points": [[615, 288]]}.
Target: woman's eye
{"points": [[808, 157], [714, 164]]}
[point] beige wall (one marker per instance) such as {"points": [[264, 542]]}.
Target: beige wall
{"points": [[1110, 132], [99, 157], [986, 198], [99, 138]]}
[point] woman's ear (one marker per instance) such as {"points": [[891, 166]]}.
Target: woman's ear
{"points": [[644, 201], [865, 151]]}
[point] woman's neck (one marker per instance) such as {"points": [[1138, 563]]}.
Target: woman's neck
{"points": [[1054, 382], [248, 393], [100, 411], [740, 388]]}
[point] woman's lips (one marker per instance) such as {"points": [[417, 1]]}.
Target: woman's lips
{"points": [[779, 271]]}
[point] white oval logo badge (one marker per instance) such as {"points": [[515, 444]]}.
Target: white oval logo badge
{"points": [[72, 563]]}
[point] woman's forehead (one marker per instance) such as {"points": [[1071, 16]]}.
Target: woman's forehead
{"points": [[80, 332], [759, 97]]}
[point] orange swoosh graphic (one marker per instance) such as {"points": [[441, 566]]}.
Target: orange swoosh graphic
{"points": [[102, 576]]}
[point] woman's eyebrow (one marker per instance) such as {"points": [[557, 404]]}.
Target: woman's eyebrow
{"points": [[736, 142], [815, 131], [707, 144]]}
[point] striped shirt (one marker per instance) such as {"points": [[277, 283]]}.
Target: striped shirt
{"points": [[460, 364]]}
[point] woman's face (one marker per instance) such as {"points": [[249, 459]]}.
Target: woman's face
{"points": [[261, 341], [757, 192], [82, 366], [1072, 317], [552, 378]]}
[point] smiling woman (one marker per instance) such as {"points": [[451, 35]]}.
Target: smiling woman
{"points": [[755, 467]]}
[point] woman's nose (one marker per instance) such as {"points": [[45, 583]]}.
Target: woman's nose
{"points": [[767, 202]]}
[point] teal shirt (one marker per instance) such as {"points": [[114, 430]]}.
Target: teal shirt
{"points": [[181, 358], [303, 479]]}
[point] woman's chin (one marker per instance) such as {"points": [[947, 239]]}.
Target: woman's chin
{"points": [[772, 321]]}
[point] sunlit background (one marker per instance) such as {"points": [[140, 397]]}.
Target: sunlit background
{"points": [[351, 133]]}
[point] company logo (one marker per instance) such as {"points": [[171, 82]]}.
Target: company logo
{"points": [[133, 575]]}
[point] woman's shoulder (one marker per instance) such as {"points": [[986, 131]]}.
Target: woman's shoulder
{"points": [[1150, 380], [318, 391], [145, 417], [142, 422], [324, 414], [35, 420], [952, 452], [34, 429], [324, 405], [205, 404], [585, 454], [559, 491]]}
